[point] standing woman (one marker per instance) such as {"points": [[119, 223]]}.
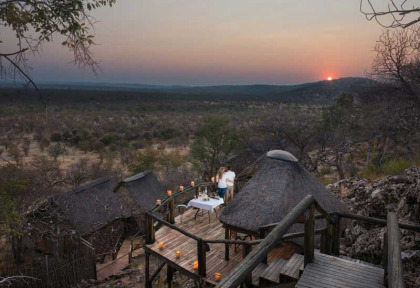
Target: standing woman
{"points": [[221, 182]]}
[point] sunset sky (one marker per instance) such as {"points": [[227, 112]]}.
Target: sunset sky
{"points": [[197, 42]]}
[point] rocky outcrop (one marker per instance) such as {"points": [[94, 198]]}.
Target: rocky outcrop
{"points": [[364, 241]]}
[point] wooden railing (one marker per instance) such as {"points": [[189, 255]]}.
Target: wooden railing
{"points": [[304, 213]]}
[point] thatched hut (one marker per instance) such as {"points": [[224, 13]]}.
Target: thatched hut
{"points": [[278, 184], [92, 210], [140, 192]]}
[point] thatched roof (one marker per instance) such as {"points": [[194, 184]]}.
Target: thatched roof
{"points": [[144, 189], [92, 206], [279, 184]]}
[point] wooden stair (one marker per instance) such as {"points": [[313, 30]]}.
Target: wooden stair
{"points": [[328, 271], [278, 271]]}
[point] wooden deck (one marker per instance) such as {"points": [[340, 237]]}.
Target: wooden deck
{"points": [[121, 262], [215, 263], [329, 271]]}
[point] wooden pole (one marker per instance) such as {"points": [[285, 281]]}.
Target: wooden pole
{"points": [[169, 275], [227, 236], [150, 230], [171, 214], [148, 283], [309, 238], [395, 269], [336, 235], [263, 234], [201, 253], [247, 248]]}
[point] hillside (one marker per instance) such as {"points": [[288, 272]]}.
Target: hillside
{"points": [[322, 92]]}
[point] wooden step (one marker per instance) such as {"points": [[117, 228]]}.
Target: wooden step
{"points": [[271, 275], [257, 273], [332, 272], [292, 269]]}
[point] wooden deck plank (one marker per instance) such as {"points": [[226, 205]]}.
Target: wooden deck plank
{"points": [[329, 271]]}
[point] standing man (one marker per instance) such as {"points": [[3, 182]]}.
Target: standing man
{"points": [[230, 182]]}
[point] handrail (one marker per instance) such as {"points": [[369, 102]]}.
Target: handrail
{"points": [[382, 222], [394, 262], [272, 225], [173, 227], [253, 259]]}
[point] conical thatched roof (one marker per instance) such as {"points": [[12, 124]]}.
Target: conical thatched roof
{"points": [[92, 206], [279, 184], [144, 189]]}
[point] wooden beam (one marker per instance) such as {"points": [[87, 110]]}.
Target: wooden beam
{"points": [[395, 268], [171, 214], [169, 276], [201, 253], [148, 283]]}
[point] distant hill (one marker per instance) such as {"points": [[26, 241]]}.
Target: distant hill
{"points": [[322, 92]]}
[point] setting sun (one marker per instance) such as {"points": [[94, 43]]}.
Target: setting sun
{"points": [[329, 78]]}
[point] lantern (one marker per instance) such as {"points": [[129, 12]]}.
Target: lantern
{"points": [[178, 254], [192, 183], [161, 245], [195, 265], [181, 188], [217, 276], [212, 179], [169, 193], [158, 202]]}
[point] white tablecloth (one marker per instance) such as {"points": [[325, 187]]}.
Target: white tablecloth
{"points": [[205, 205]]}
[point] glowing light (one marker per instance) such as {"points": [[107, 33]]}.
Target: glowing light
{"points": [[329, 78]]}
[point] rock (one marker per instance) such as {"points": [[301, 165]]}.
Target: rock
{"points": [[408, 254]]}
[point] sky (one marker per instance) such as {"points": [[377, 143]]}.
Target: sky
{"points": [[215, 42]]}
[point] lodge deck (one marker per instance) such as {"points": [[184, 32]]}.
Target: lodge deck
{"points": [[216, 263]]}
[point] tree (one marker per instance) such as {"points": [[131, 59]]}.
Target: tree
{"points": [[396, 13], [397, 61], [78, 173], [216, 140], [35, 22], [56, 150]]}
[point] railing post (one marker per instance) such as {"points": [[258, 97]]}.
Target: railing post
{"points": [[130, 255], [323, 246], [336, 235], [309, 237], [394, 263], [385, 259], [169, 275], [148, 283], [227, 236], [263, 234], [171, 214], [150, 230], [201, 253], [247, 248]]}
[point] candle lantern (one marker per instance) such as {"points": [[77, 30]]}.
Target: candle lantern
{"points": [[212, 179], [178, 254], [161, 245], [195, 265], [169, 193], [217, 276], [181, 188], [158, 202], [192, 183]]}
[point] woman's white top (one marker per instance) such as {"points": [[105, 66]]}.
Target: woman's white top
{"points": [[221, 183]]}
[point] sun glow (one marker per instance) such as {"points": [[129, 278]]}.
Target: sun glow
{"points": [[329, 78]]}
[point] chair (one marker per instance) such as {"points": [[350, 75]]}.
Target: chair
{"points": [[239, 236], [181, 209]]}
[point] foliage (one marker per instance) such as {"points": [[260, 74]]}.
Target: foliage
{"points": [[390, 167], [146, 160], [216, 141], [10, 218], [35, 22]]}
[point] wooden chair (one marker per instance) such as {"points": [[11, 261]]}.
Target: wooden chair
{"points": [[181, 209], [239, 236]]}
